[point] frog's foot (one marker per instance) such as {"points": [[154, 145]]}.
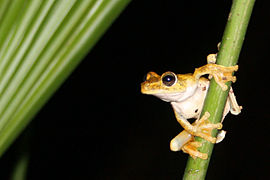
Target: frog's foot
{"points": [[222, 74], [191, 149], [203, 128]]}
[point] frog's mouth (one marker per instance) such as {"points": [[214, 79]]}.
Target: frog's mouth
{"points": [[162, 94], [174, 96], [170, 97]]}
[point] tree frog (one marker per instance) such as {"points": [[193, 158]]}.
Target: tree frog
{"points": [[186, 93]]}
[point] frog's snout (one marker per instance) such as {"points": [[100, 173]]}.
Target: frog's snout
{"points": [[144, 86]]}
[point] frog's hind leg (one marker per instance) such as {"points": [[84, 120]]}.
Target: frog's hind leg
{"points": [[235, 109], [191, 149], [180, 140], [201, 127], [231, 106], [187, 143]]}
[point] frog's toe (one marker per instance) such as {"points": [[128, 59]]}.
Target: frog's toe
{"points": [[203, 128], [211, 59], [223, 74], [209, 126], [191, 149]]}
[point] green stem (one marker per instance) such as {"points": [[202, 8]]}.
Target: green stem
{"points": [[19, 171], [230, 48]]}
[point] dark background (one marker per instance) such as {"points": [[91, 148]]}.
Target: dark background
{"points": [[99, 126]]}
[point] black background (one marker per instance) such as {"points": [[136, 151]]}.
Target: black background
{"points": [[99, 126]]}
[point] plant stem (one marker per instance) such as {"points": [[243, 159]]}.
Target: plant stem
{"points": [[230, 48], [19, 171]]}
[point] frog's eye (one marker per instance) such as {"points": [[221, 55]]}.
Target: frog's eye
{"points": [[169, 79]]}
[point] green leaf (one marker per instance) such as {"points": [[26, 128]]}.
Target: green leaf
{"points": [[41, 42]]}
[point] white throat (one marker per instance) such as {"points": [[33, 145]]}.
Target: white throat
{"points": [[177, 96]]}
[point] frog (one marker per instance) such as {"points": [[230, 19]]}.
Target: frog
{"points": [[186, 94]]}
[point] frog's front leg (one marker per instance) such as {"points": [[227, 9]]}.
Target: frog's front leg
{"points": [[204, 128], [201, 127], [220, 73]]}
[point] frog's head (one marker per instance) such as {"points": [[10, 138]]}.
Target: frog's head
{"points": [[169, 86]]}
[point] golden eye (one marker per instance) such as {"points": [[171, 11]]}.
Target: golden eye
{"points": [[169, 79]]}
